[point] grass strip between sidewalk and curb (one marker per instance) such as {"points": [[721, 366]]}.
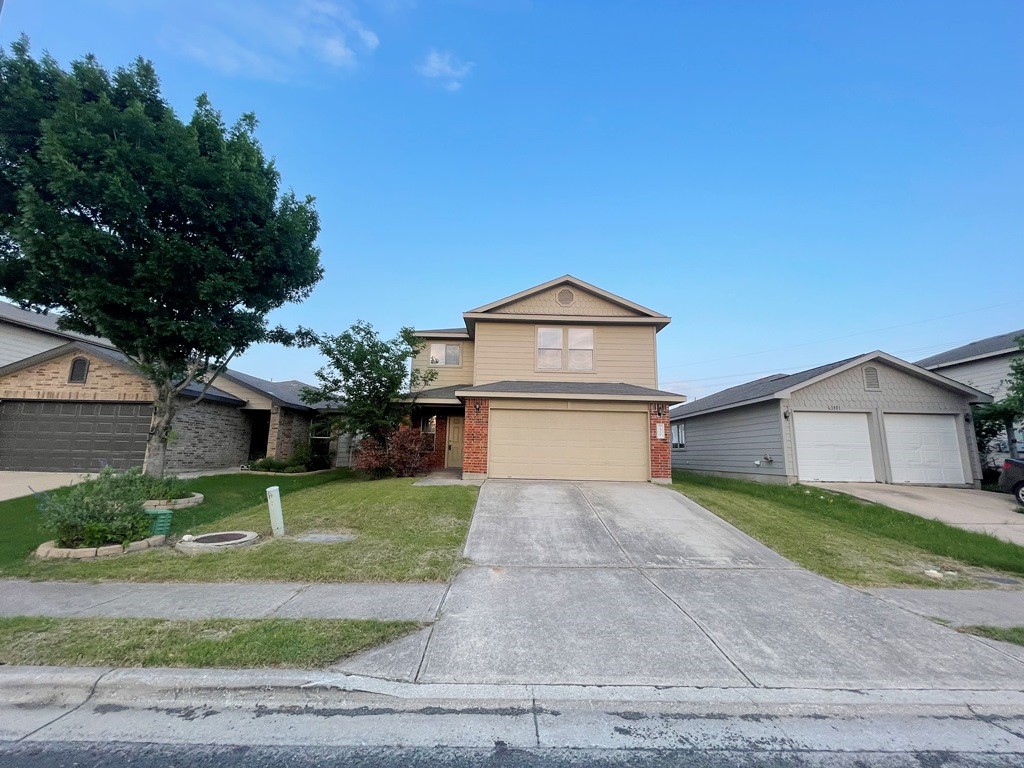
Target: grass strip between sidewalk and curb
{"points": [[849, 540], [402, 533], [224, 643], [1013, 635]]}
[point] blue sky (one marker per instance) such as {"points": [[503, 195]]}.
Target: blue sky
{"points": [[793, 182]]}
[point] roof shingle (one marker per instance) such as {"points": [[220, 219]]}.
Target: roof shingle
{"points": [[993, 345]]}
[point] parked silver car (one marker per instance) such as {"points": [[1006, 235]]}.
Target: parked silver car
{"points": [[1011, 479]]}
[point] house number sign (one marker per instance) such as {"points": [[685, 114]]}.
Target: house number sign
{"points": [[835, 407]]}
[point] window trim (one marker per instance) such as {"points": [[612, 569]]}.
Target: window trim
{"points": [[564, 367], [85, 373], [678, 429], [444, 344]]}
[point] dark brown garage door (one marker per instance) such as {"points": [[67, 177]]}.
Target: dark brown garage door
{"points": [[72, 437]]}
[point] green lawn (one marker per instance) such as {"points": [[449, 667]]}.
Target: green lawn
{"points": [[1006, 634], [302, 643], [402, 533], [849, 540]]}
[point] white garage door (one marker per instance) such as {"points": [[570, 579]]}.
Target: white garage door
{"points": [[924, 448], [569, 445], [833, 447]]}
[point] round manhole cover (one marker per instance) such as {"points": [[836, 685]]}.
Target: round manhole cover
{"points": [[216, 542], [219, 538]]}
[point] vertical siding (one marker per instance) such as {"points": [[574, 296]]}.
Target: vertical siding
{"points": [[731, 441], [447, 375], [17, 343], [622, 353]]}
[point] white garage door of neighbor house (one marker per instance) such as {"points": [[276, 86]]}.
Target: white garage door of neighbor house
{"points": [[569, 445], [924, 448], [833, 447]]}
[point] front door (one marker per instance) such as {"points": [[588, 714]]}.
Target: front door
{"points": [[456, 430]]}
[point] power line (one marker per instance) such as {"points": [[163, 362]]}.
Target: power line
{"points": [[850, 335]]}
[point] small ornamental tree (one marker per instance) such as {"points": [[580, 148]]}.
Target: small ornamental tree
{"points": [[169, 238], [369, 377]]}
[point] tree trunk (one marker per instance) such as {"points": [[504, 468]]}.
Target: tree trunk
{"points": [[1011, 438], [159, 431]]}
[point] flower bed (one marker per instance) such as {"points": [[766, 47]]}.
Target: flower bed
{"points": [[188, 501], [50, 551]]}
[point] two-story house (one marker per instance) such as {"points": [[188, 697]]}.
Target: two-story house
{"points": [[555, 382]]}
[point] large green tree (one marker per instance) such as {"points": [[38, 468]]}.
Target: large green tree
{"points": [[169, 238], [369, 377]]}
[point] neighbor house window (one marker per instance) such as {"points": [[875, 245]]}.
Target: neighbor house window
{"points": [[446, 354], [428, 429], [577, 343], [79, 370], [549, 349], [678, 435]]}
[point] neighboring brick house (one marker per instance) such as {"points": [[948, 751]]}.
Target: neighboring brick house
{"points": [[556, 382], [871, 418], [74, 403]]}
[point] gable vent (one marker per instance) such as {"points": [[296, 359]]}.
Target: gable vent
{"points": [[565, 297], [871, 378]]}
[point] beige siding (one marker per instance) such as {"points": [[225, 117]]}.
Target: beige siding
{"points": [[988, 375], [507, 351], [447, 375], [253, 399], [546, 303], [17, 343]]}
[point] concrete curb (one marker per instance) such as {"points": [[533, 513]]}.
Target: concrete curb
{"points": [[39, 683]]}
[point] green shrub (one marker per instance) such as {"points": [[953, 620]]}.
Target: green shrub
{"points": [[107, 510], [269, 465], [295, 468]]}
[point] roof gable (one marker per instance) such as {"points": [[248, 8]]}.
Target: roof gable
{"points": [[586, 300]]}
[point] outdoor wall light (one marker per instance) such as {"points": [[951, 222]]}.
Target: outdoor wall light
{"points": [[661, 409], [476, 407], [785, 414], [967, 418]]}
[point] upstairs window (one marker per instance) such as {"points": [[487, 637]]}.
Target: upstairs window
{"points": [[678, 435], [549, 349], [565, 349], [446, 354], [79, 370]]}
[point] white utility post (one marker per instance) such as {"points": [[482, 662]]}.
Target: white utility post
{"points": [[276, 515]]}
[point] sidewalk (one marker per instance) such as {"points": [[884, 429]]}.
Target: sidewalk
{"points": [[389, 602], [961, 607]]}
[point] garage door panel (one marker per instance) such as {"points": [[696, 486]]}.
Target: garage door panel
{"points": [[924, 448], [833, 447], [72, 437], [570, 445]]}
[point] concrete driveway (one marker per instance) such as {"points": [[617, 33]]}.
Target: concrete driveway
{"points": [[981, 511], [632, 584], [15, 484]]}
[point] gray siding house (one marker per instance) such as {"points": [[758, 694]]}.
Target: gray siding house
{"points": [[984, 365], [871, 418]]}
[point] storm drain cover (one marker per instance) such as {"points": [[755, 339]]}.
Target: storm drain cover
{"points": [[314, 537]]}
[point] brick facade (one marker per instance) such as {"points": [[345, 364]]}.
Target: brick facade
{"points": [[49, 381], [435, 459], [661, 448], [289, 430], [474, 450], [208, 436]]}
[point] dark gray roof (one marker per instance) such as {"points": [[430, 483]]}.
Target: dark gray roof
{"points": [[571, 388], [47, 323], [754, 390], [288, 393], [993, 345], [441, 393]]}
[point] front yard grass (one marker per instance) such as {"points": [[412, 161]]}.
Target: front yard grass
{"points": [[234, 643], [402, 534], [848, 540]]}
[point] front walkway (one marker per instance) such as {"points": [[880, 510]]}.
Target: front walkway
{"points": [[391, 602], [591, 583], [16, 484], [980, 511]]}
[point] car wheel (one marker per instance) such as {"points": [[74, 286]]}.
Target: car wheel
{"points": [[1018, 493]]}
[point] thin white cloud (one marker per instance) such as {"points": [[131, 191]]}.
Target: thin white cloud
{"points": [[269, 40], [445, 68]]}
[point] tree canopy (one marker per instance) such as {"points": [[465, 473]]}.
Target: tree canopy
{"points": [[169, 238]]}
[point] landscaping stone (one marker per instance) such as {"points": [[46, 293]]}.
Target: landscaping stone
{"points": [[49, 550], [44, 549], [58, 553], [82, 553], [137, 546], [110, 550], [156, 541], [189, 501]]}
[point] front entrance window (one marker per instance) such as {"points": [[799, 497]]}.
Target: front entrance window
{"points": [[428, 429]]}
